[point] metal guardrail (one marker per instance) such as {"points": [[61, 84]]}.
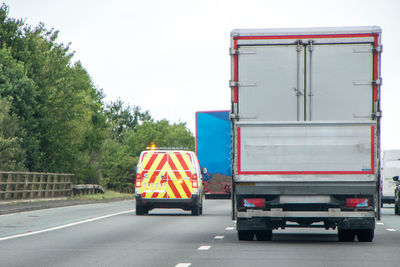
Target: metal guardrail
{"points": [[36, 185], [86, 189]]}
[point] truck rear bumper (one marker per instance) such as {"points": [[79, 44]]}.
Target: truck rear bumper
{"points": [[267, 220], [279, 213]]}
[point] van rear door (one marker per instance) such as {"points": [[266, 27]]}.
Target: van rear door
{"points": [[166, 175], [181, 169]]}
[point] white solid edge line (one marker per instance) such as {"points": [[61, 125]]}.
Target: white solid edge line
{"points": [[39, 210], [63, 226]]}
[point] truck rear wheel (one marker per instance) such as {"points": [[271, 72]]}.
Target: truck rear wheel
{"points": [[245, 235], [264, 235], [346, 235], [365, 235]]}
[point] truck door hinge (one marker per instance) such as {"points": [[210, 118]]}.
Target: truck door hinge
{"points": [[377, 49], [241, 84], [241, 52], [378, 81], [233, 116], [377, 114]]}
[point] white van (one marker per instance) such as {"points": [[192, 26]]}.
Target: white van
{"points": [[168, 179], [390, 168]]}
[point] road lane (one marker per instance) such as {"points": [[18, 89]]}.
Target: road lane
{"points": [[25, 222], [173, 237]]}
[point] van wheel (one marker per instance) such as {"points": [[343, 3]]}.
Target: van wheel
{"points": [[140, 210], [245, 235], [365, 235], [346, 235], [264, 235], [196, 210]]}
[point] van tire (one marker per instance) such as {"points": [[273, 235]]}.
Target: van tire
{"points": [[195, 210], [140, 210]]}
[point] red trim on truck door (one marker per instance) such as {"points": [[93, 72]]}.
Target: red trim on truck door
{"points": [[313, 36], [239, 152]]}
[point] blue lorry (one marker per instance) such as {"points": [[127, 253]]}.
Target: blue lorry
{"points": [[213, 149]]}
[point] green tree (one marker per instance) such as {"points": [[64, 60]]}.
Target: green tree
{"points": [[12, 156], [124, 119]]}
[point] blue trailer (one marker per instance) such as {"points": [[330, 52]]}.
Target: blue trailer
{"points": [[213, 149]]}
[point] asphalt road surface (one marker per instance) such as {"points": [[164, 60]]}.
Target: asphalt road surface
{"points": [[109, 234]]}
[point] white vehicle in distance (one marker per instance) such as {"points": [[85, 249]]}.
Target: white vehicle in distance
{"points": [[390, 168]]}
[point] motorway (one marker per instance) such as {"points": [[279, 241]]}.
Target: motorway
{"points": [[109, 234]]}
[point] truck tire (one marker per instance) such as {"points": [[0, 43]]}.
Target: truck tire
{"points": [[140, 210], [346, 235], [245, 235], [264, 235], [396, 209], [196, 210], [365, 235]]}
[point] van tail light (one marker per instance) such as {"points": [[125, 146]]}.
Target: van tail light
{"points": [[138, 180], [195, 184], [357, 203]]}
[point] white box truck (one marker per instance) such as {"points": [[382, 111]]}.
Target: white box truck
{"points": [[306, 130], [390, 168]]}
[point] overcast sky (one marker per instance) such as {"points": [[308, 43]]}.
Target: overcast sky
{"points": [[171, 57]]}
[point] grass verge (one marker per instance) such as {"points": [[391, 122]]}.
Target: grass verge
{"points": [[108, 195]]}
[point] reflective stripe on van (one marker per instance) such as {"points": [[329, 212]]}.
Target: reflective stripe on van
{"points": [[166, 174]]}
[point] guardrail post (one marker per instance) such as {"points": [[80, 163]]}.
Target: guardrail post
{"points": [[41, 186], [26, 191], [2, 187], [48, 185], [34, 188], [18, 186], [55, 184], [9, 187]]}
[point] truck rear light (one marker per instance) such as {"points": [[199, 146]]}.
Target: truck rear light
{"points": [[254, 202], [138, 180], [194, 181], [357, 203]]}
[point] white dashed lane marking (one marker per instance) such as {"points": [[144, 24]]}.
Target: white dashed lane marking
{"points": [[204, 248], [219, 237], [185, 264], [229, 228], [391, 230]]}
